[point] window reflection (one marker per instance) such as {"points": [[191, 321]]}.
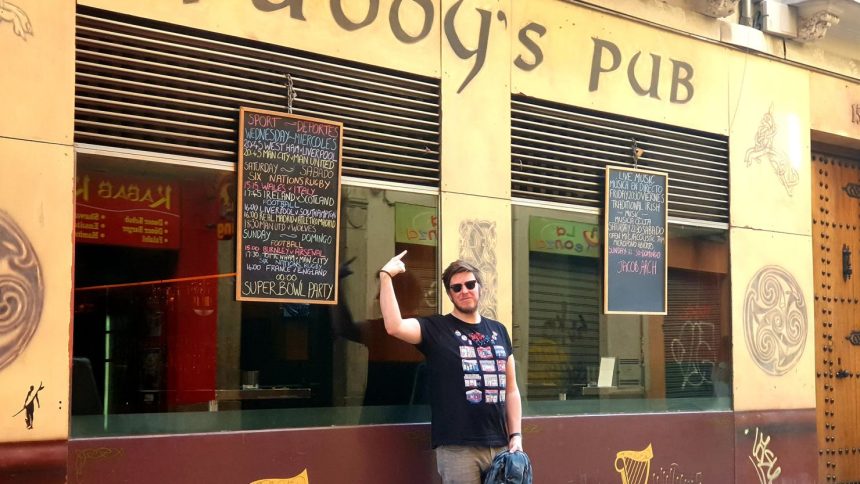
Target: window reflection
{"points": [[157, 329], [571, 351]]}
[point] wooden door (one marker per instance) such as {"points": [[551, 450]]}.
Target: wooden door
{"points": [[836, 233]]}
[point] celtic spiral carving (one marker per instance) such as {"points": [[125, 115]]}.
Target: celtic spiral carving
{"points": [[775, 320], [21, 291]]}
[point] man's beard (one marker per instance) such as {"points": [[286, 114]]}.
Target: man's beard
{"points": [[463, 310]]}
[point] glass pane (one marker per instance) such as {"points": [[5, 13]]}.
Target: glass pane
{"points": [[162, 346], [575, 359]]}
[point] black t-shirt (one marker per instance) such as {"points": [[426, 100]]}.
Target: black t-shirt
{"points": [[467, 373]]}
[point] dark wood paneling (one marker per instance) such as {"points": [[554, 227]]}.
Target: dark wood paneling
{"points": [[835, 212]]}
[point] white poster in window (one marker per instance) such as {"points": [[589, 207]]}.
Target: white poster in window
{"points": [[607, 371]]}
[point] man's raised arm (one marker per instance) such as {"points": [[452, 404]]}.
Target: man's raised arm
{"points": [[407, 330]]}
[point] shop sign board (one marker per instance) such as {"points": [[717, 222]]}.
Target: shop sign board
{"points": [[126, 211], [636, 224], [415, 224], [288, 207], [564, 237]]}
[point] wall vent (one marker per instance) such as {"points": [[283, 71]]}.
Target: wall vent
{"points": [[170, 90], [559, 154]]}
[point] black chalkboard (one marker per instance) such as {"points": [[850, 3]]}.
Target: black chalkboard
{"points": [[634, 269], [289, 206]]}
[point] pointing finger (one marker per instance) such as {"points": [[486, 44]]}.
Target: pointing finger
{"points": [[400, 255]]}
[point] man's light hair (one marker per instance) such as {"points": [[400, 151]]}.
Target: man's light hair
{"points": [[457, 267]]}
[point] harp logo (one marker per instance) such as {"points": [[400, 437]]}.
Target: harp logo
{"points": [[634, 465], [301, 478]]}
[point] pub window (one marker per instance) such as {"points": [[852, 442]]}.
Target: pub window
{"points": [[158, 329], [574, 359]]}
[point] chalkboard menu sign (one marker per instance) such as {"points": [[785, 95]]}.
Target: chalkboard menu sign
{"points": [[634, 267], [288, 210]]}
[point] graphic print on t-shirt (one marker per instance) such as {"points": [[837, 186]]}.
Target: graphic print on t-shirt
{"points": [[484, 366]]}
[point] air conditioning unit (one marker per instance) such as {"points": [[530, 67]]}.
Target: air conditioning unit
{"points": [[778, 19]]}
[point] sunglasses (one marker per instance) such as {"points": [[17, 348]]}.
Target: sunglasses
{"points": [[469, 285]]}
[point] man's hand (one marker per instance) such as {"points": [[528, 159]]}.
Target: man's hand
{"points": [[395, 265], [408, 330], [515, 444]]}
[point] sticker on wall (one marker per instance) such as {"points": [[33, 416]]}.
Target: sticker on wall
{"points": [[301, 478], [9, 12], [775, 320], [478, 246], [31, 402], [763, 459], [21, 290], [764, 149]]}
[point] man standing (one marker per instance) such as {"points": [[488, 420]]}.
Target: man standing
{"points": [[474, 399]]}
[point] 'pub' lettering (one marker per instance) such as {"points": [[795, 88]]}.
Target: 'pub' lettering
{"points": [[682, 73]]}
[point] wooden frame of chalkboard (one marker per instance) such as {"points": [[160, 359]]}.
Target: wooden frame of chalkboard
{"points": [[288, 217], [636, 229]]}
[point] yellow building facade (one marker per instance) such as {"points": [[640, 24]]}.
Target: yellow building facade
{"points": [[478, 103]]}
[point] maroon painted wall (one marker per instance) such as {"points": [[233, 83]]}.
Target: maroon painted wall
{"points": [[562, 449], [777, 444], [33, 462], [688, 448]]}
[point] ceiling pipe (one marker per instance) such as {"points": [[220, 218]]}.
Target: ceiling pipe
{"points": [[746, 11]]}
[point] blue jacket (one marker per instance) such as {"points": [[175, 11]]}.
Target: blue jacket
{"points": [[509, 468]]}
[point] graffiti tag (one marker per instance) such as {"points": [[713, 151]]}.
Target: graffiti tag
{"points": [[764, 459]]}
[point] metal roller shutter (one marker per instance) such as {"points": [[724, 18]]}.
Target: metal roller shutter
{"points": [[691, 333], [559, 154], [564, 330], [169, 90]]}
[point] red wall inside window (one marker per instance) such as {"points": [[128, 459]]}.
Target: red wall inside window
{"points": [[192, 333]]}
